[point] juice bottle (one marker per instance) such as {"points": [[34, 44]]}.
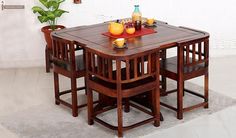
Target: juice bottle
{"points": [[137, 18]]}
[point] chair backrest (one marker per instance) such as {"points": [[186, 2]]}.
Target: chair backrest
{"points": [[64, 53], [193, 52], [118, 70]]}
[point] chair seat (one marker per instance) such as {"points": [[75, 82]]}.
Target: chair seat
{"points": [[125, 85], [79, 61], [170, 64], [128, 89]]}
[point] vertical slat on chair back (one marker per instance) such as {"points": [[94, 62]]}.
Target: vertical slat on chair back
{"points": [[100, 66], [139, 67], [195, 52], [64, 51], [132, 69]]}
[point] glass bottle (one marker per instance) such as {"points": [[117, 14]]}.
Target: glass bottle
{"points": [[137, 18]]}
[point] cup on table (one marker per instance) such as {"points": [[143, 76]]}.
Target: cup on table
{"points": [[150, 21], [119, 42]]}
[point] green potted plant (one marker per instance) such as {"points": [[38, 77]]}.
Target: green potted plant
{"points": [[49, 13]]}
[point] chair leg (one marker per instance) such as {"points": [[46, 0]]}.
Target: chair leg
{"points": [[74, 97], [163, 85], [156, 105], [56, 88], [163, 78], [127, 105], [119, 115], [161, 117], [206, 89], [47, 59], [180, 87], [90, 106]]}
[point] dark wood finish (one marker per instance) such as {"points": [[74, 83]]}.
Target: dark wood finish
{"points": [[91, 36], [105, 79], [48, 58], [48, 49], [65, 62], [123, 83], [163, 78], [191, 61]]}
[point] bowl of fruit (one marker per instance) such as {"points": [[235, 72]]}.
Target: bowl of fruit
{"points": [[129, 28]]}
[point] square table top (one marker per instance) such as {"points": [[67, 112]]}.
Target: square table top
{"points": [[91, 37]]}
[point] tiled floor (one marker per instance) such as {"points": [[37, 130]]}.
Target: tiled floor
{"points": [[24, 88]]}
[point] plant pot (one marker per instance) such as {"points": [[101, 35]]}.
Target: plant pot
{"points": [[47, 34]]}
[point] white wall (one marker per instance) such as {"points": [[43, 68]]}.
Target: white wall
{"points": [[216, 17]]}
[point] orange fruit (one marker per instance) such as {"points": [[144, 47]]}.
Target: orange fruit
{"points": [[130, 30]]}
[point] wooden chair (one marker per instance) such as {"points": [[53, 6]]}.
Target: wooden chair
{"points": [[122, 81], [67, 63], [191, 62]]}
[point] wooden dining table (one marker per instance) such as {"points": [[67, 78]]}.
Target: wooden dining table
{"points": [[91, 36], [166, 36]]}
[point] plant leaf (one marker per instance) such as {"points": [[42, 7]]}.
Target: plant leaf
{"points": [[51, 15], [54, 4], [43, 19], [50, 12], [44, 2], [39, 10], [59, 12], [60, 1]]}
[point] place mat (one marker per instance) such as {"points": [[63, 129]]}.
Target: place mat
{"points": [[143, 31]]}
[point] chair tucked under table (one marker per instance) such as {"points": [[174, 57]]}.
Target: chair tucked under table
{"points": [[121, 78], [191, 62], [67, 63]]}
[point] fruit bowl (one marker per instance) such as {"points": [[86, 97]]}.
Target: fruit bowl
{"points": [[130, 29]]}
